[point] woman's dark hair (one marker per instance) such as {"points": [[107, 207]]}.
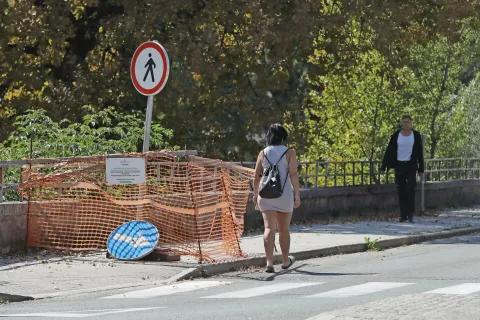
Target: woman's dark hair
{"points": [[276, 135]]}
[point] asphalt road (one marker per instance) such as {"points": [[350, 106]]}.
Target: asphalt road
{"points": [[437, 280]]}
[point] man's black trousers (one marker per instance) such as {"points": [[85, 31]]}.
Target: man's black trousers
{"points": [[405, 179]]}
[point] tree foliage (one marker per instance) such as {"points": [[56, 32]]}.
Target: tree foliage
{"points": [[236, 65], [352, 116], [36, 135], [438, 67], [364, 94], [461, 134]]}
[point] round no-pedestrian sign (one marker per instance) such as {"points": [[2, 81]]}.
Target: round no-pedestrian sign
{"points": [[150, 68]]}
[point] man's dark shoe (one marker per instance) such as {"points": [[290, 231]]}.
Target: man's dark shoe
{"points": [[402, 220], [411, 221]]}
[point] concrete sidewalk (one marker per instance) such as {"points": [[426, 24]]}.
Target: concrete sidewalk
{"points": [[318, 236], [45, 274], [316, 240]]}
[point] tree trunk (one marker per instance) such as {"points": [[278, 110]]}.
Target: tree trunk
{"points": [[434, 136]]}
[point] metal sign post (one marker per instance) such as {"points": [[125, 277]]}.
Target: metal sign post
{"points": [[148, 124], [422, 182], [149, 70]]}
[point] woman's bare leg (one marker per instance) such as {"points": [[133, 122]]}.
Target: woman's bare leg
{"points": [[270, 223], [283, 221]]}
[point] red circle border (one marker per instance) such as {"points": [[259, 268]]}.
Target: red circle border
{"points": [[166, 70]]}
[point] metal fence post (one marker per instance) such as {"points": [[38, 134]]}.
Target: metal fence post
{"points": [[1, 184], [326, 174], [307, 172], [20, 194], [353, 173], [422, 182]]}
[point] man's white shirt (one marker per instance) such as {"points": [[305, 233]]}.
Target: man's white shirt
{"points": [[405, 147]]}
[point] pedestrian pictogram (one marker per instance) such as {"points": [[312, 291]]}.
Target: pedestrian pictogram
{"points": [[149, 71], [150, 65], [150, 68]]}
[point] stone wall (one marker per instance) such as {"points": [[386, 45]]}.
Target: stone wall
{"points": [[13, 226], [317, 204]]}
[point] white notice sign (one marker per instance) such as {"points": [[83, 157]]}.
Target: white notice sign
{"points": [[125, 170]]}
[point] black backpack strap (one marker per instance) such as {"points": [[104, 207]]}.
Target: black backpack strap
{"points": [[284, 182], [288, 171], [281, 156], [265, 157]]}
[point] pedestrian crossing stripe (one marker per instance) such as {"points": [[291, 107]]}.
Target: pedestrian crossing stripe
{"points": [[77, 314], [167, 290], [366, 288], [322, 317], [263, 290], [461, 289]]}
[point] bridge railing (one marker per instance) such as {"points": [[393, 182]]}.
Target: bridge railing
{"points": [[324, 174], [321, 174]]}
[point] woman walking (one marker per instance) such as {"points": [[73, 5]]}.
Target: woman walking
{"points": [[277, 206]]}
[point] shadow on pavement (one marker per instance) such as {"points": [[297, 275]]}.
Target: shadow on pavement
{"points": [[296, 270]]}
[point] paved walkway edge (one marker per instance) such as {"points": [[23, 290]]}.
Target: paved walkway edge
{"points": [[177, 277], [259, 261], [5, 297]]}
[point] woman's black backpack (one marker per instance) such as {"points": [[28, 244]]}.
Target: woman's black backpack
{"points": [[271, 182]]}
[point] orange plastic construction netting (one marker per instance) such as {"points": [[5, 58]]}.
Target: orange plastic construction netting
{"points": [[197, 204]]}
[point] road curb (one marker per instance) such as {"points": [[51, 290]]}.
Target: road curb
{"points": [[207, 270], [398, 242]]}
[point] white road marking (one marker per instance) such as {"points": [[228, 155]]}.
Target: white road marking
{"points": [[465, 288], [141, 241], [322, 316], [258, 291], [366, 288], [77, 314], [167, 290]]}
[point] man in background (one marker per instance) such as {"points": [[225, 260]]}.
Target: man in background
{"points": [[405, 154]]}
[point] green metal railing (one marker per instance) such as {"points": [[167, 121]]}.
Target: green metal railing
{"points": [[320, 174]]}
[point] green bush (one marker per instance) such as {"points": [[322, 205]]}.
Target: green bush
{"points": [[101, 132]]}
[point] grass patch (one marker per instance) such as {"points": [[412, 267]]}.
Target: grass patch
{"points": [[370, 244]]}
